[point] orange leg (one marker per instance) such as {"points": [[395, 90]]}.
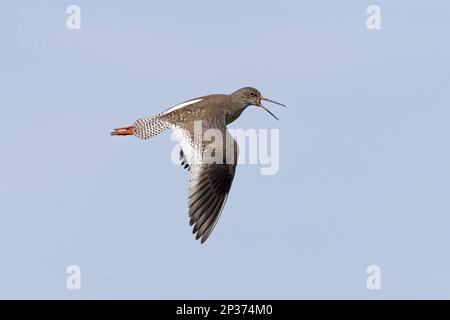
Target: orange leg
{"points": [[127, 131]]}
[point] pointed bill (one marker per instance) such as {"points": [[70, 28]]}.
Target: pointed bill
{"points": [[262, 106], [278, 103], [269, 100]]}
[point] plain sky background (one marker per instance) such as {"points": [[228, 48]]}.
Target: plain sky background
{"points": [[364, 149]]}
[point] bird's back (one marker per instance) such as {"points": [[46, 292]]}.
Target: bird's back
{"points": [[202, 108]]}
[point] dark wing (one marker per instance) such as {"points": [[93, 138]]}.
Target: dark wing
{"points": [[209, 186], [209, 182]]}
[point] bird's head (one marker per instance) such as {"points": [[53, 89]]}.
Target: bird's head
{"points": [[252, 97]]}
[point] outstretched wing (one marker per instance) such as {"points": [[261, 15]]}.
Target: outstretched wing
{"points": [[209, 186], [212, 164]]}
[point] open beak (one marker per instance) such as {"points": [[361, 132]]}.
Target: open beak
{"points": [[262, 106]]}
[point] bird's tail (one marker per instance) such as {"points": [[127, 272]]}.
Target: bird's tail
{"points": [[144, 128]]}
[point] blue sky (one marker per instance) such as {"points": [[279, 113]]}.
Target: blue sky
{"points": [[364, 156]]}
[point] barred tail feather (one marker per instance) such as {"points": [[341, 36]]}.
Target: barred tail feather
{"points": [[146, 128]]}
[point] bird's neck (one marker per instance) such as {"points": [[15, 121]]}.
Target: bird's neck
{"points": [[237, 103], [235, 109]]}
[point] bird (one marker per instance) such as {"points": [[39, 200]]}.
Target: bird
{"points": [[211, 170]]}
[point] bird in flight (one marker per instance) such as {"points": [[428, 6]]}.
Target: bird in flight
{"points": [[211, 169]]}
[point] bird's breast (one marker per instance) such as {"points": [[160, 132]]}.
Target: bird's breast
{"points": [[231, 116]]}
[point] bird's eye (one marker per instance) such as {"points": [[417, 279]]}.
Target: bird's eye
{"points": [[253, 94]]}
